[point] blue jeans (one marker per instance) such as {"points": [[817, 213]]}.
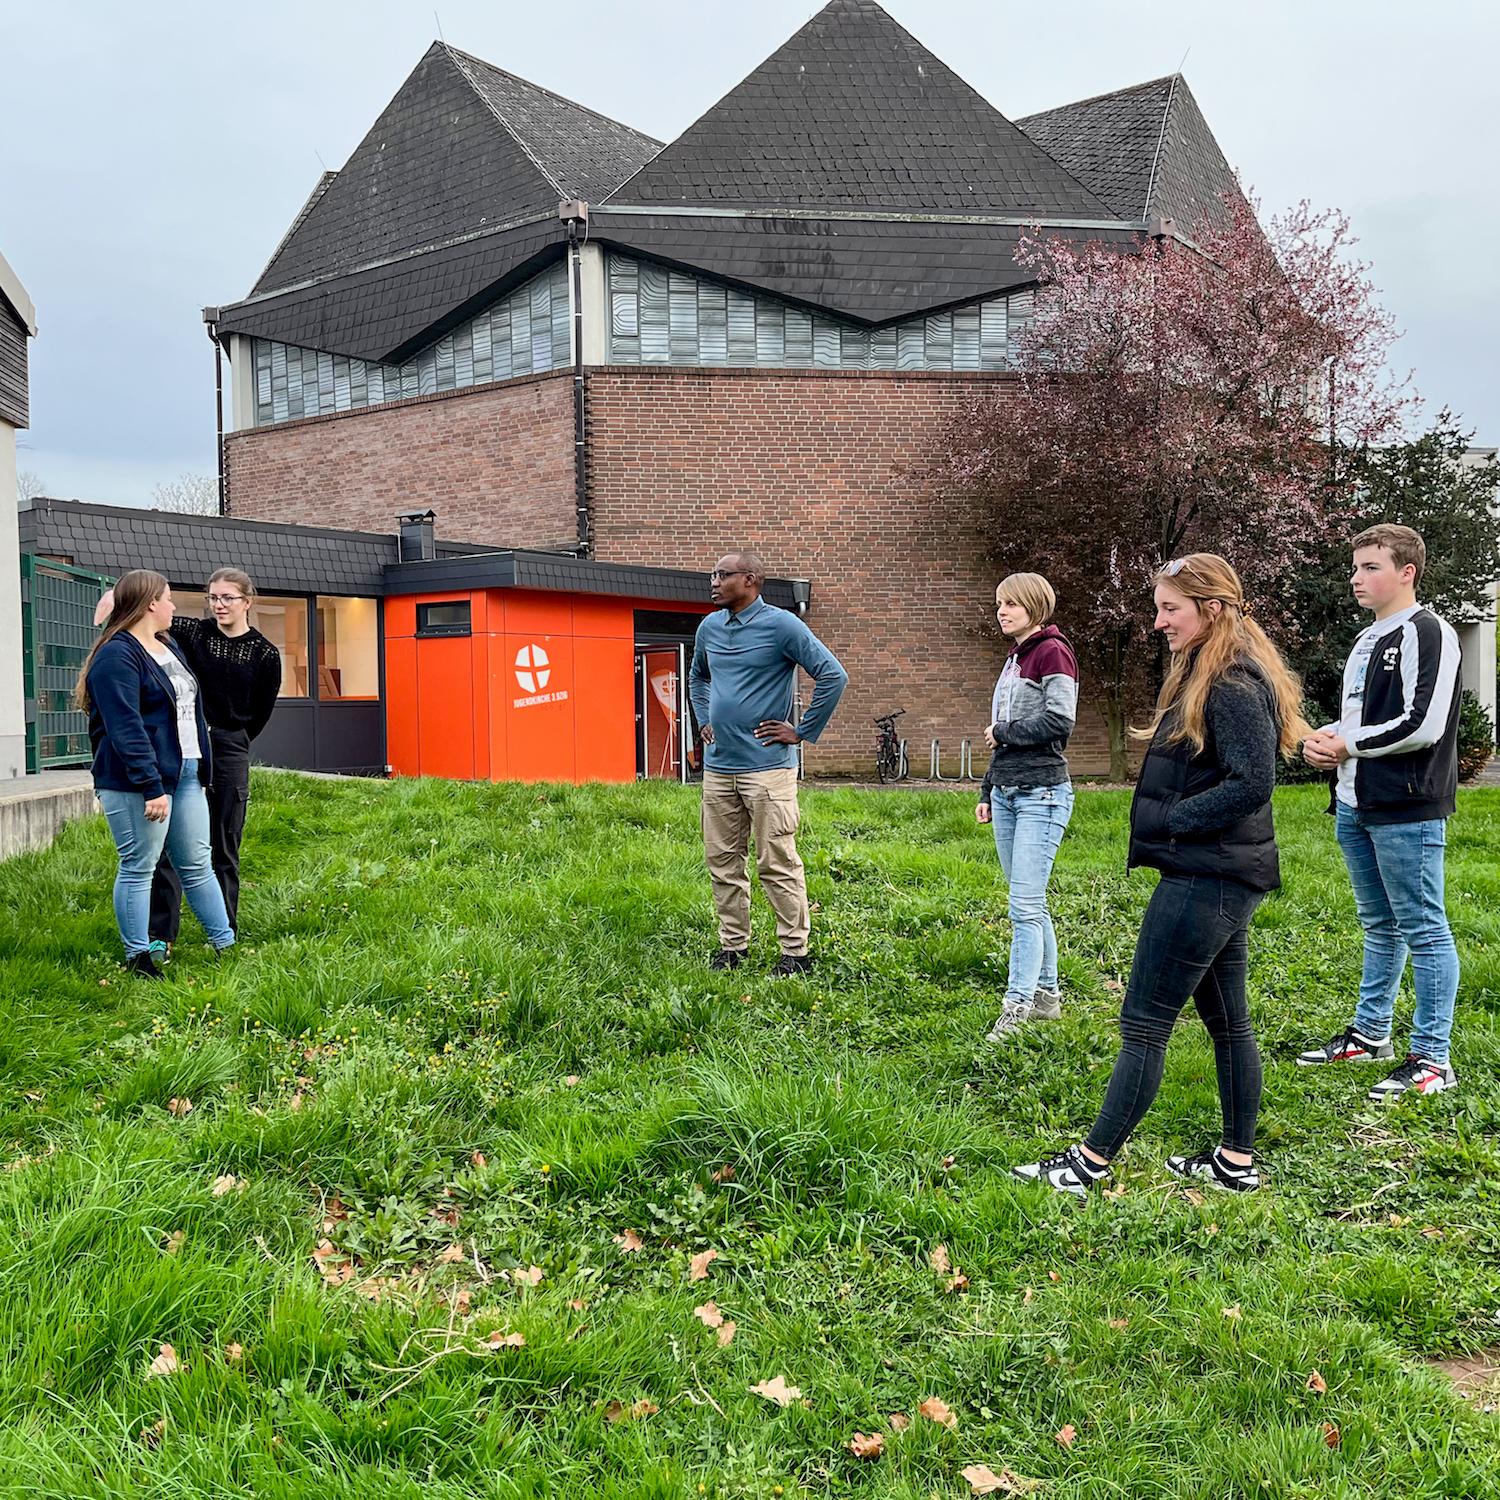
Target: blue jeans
{"points": [[1396, 870], [1028, 828], [139, 841]]}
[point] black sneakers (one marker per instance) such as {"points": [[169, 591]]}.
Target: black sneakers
{"points": [[141, 966], [1211, 1167], [1347, 1046], [1416, 1075], [792, 963], [1069, 1172], [729, 958]]}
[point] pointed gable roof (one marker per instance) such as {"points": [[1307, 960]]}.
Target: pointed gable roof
{"points": [[462, 148], [1146, 150], [853, 112]]}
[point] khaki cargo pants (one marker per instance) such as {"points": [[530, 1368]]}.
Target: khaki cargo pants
{"points": [[763, 803]]}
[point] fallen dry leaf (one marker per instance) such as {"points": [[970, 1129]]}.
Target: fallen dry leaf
{"points": [[1119, 1322], [151, 1436], [948, 1163], [937, 1258], [1232, 1313], [165, 1363], [478, 1159], [295, 1102], [175, 1241], [228, 1183], [463, 1300], [1054, 1275], [571, 1080], [529, 1276], [630, 1242], [723, 1174], [957, 1283], [1331, 1435], [1194, 1197], [899, 1421], [179, 1107], [726, 1334], [709, 1315], [1431, 1233], [867, 1444], [1065, 1435], [983, 1480], [334, 1267], [776, 1389], [1317, 1384], [445, 1214], [644, 1408], [500, 1339], [234, 1353], [937, 1410], [1026, 1297], [578, 1303], [698, 1265], [613, 1411], [450, 1255]]}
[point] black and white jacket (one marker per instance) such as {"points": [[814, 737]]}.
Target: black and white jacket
{"points": [[1400, 720]]}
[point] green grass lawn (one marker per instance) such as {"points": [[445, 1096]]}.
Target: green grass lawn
{"points": [[479, 1017]]}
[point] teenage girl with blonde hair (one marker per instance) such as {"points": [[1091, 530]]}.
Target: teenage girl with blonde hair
{"points": [[1202, 816]]}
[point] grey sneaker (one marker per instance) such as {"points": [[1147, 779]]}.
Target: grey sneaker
{"points": [[1046, 1005], [1016, 1013]]}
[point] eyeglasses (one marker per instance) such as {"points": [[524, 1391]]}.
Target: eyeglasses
{"points": [[721, 573], [226, 598], [1173, 568]]}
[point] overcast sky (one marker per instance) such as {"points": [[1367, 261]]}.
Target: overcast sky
{"points": [[154, 155]]}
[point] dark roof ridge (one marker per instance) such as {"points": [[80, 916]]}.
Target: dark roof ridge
{"points": [[542, 88], [1161, 140], [460, 60], [319, 188], [1130, 88]]}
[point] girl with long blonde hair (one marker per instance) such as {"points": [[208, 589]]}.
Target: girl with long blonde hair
{"points": [[1201, 815]]}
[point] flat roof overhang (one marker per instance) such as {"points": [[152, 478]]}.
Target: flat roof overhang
{"points": [[557, 572]]}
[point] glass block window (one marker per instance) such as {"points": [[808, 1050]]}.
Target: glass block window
{"points": [[659, 316], [524, 333]]}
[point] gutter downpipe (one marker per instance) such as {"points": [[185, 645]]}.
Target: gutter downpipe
{"points": [[211, 323], [575, 213]]}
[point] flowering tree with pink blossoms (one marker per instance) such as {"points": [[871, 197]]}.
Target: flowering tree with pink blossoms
{"points": [[1203, 394]]}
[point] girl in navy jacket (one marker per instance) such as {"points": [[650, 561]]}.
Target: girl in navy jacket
{"points": [[152, 760]]}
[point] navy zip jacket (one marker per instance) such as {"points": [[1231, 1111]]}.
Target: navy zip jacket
{"points": [[133, 721]]}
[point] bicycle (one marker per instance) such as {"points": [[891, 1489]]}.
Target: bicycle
{"points": [[890, 750]]}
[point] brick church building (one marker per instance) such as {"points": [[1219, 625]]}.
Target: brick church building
{"points": [[562, 335]]}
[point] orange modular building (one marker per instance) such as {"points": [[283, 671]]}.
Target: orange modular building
{"points": [[526, 666]]}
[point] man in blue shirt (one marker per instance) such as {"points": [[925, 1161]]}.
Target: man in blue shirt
{"points": [[745, 662]]}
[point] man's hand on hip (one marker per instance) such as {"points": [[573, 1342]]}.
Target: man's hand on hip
{"points": [[776, 732]]}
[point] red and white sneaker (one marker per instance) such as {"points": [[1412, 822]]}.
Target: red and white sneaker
{"points": [[1347, 1046], [1415, 1076]]}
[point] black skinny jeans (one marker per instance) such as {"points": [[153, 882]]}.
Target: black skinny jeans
{"points": [[1194, 941]]}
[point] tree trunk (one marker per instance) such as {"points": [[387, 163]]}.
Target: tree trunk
{"points": [[1114, 719]]}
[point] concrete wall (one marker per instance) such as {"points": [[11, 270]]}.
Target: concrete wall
{"points": [[12, 696], [34, 813]]}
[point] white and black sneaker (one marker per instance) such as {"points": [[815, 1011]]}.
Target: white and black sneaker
{"points": [[1415, 1075], [1069, 1171], [1212, 1168], [1348, 1046]]}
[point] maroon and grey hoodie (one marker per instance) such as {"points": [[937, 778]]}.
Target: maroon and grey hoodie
{"points": [[1032, 714]]}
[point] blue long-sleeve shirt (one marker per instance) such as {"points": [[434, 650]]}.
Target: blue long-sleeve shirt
{"points": [[744, 672]]}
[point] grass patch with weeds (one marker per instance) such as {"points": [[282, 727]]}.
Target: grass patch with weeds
{"points": [[468, 1112]]}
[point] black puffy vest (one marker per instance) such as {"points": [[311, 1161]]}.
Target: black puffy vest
{"points": [[1245, 851]]}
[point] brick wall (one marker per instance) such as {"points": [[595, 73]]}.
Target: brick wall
{"points": [[807, 466], [496, 464]]}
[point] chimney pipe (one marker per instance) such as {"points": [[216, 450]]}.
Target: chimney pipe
{"points": [[418, 543]]}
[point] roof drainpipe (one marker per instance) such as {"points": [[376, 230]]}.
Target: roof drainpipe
{"points": [[575, 213], [211, 323]]}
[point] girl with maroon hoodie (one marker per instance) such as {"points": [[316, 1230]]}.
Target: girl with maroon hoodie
{"points": [[1027, 797]]}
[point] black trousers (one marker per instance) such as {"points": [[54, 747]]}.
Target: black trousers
{"points": [[1194, 942], [228, 798]]}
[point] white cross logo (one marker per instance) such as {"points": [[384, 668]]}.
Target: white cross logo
{"points": [[532, 670]]}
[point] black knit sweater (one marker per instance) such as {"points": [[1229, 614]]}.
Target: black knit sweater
{"points": [[238, 675]]}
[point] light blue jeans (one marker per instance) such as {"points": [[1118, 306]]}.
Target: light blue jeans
{"points": [[1028, 828], [1396, 870], [140, 842]]}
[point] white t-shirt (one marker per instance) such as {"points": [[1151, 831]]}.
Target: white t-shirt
{"points": [[185, 685]]}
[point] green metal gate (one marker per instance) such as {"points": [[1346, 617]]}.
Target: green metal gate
{"points": [[57, 632]]}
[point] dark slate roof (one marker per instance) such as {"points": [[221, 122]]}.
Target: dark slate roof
{"points": [[1146, 150], [551, 570], [392, 310], [854, 112], [871, 271], [463, 147], [112, 539]]}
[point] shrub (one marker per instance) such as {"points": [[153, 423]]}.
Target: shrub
{"points": [[1476, 737]]}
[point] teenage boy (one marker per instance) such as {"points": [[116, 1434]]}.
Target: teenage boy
{"points": [[1394, 752], [745, 661]]}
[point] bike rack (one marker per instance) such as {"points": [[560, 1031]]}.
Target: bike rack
{"points": [[903, 769], [936, 764], [966, 762]]}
